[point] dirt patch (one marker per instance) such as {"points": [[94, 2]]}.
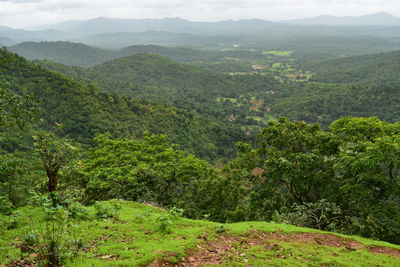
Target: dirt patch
{"points": [[20, 263], [329, 240], [385, 250], [226, 248]]}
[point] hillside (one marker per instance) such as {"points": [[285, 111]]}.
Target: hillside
{"points": [[137, 237], [364, 68], [6, 41], [86, 112], [63, 52], [77, 54], [160, 79], [380, 18], [157, 78]]}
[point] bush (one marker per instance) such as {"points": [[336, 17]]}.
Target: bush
{"points": [[6, 206], [108, 209], [76, 210], [56, 241], [322, 215]]}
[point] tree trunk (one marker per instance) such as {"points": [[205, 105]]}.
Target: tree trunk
{"points": [[53, 187]]}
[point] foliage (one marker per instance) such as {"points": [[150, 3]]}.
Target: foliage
{"points": [[15, 110], [6, 206], [87, 112], [320, 215], [57, 241], [108, 209], [55, 154]]}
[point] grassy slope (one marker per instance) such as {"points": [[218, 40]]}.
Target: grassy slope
{"points": [[135, 240]]}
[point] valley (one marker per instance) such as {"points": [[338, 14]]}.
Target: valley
{"points": [[167, 142]]}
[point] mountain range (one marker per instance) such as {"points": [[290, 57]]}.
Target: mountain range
{"points": [[376, 19], [165, 31]]}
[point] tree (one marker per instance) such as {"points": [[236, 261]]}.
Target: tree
{"points": [[55, 154], [368, 167], [299, 157]]}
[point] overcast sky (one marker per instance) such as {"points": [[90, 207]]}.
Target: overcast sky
{"points": [[25, 13]]}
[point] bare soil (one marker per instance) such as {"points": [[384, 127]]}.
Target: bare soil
{"points": [[225, 247]]}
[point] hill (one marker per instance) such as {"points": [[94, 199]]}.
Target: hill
{"points": [[380, 18], [77, 54], [137, 237], [161, 79], [6, 41], [87, 112], [173, 25], [156, 78], [63, 52], [364, 68]]}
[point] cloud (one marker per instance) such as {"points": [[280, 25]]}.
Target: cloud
{"points": [[23, 13]]}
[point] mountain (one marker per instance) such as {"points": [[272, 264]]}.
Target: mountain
{"points": [[4, 28], [173, 25], [63, 52], [160, 79], [120, 40], [77, 54], [359, 69], [44, 35], [377, 19], [87, 112], [4, 41]]}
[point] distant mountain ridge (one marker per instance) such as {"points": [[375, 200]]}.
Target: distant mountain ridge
{"points": [[173, 25], [376, 19], [4, 41]]}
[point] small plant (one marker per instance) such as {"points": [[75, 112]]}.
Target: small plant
{"points": [[220, 229], [77, 210], [176, 212], [30, 242], [57, 240], [14, 220], [164, 223], [206, 216], [6, 206], [108, 209]]}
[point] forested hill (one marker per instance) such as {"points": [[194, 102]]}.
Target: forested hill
{"points": [[77, 54], [364, 68], [158, 78], [63, 52], [86, 112]]}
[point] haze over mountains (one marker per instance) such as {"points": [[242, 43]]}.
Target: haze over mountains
{"points": [[117, 33], [376, 19]]}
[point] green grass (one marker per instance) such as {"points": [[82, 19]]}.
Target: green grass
{"points": [[135, 239], [279, 53]]}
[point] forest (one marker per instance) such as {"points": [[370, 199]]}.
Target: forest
{"points": [[208, 141]]}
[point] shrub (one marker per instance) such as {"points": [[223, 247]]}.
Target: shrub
{"points": [[6, 206], [57, 240], [321, 215], [108, 209]]}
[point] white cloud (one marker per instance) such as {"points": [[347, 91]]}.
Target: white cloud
{"points": [[24, 13]]}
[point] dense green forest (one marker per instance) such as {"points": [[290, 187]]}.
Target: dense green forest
{"points": [[86, 112], [254, 99], [364, 68], [277, 136]]}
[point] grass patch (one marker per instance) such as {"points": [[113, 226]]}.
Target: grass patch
{"points": [[278, 53], [135, 239]]}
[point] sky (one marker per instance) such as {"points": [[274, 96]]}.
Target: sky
{"points": [[27, 13]]}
